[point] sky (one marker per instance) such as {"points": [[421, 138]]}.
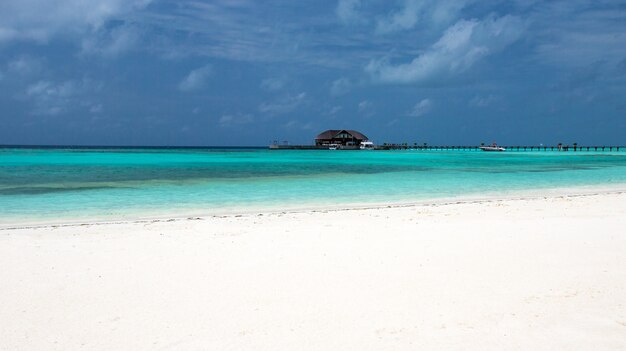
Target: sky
{"points": [[247, 72]]}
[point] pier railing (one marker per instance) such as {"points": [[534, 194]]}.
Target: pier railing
{"points": [[563, 148]]}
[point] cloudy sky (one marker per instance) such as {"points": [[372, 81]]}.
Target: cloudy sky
{"points": [[245, 72]]}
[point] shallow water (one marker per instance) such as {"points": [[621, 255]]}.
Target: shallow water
{"points": [[42, 184]]}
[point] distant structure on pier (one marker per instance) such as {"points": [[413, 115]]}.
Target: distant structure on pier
{"points": [[341, 137]]}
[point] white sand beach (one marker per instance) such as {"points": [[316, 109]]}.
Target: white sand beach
{"points": [[526, 274]]}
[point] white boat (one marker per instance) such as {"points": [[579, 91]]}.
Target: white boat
{"points": [[333, 146], [492, 148], [367, 145]]}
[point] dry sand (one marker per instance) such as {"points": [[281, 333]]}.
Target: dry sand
{"points": [[529, 274]]}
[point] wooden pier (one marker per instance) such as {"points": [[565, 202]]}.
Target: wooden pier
{"points": [[513, 148], [296, 147], [516, 148]]}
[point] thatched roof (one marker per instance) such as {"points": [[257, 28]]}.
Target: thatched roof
{"points": [[331, 133]]}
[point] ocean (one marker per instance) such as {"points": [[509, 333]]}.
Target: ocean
{"points": [[86, 184]]}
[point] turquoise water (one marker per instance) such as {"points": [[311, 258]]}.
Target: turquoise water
{"points": [[56, 184]]}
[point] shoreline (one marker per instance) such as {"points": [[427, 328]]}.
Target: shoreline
{"points": [[539, 273], [517, 195]]}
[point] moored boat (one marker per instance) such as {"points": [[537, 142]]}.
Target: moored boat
{"points": [[493, 147], [366, 145]]}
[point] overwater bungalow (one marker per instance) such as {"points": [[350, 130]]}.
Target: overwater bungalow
{"points": [[342, 137]]}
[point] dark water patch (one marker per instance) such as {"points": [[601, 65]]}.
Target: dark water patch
{"points": [[27, 175], [40, 190], [561, 169], [534, 169]]}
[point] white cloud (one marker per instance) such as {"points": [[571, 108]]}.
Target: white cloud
{"points": [[334, 110], [447, 11], [366, 108], [573, 47], [233, 30], [272, 84], [460, 47], [195, 79], [340, 87], [403, 19], [348, 11], [25, 66], [295, 124], [112, 43], [482, 101], [53, 98], [95, 109], [7, 34], [392, 122], [39, 20], [421, 108], [237, 119], [47, 88], [437, 12], [283, 105]]}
